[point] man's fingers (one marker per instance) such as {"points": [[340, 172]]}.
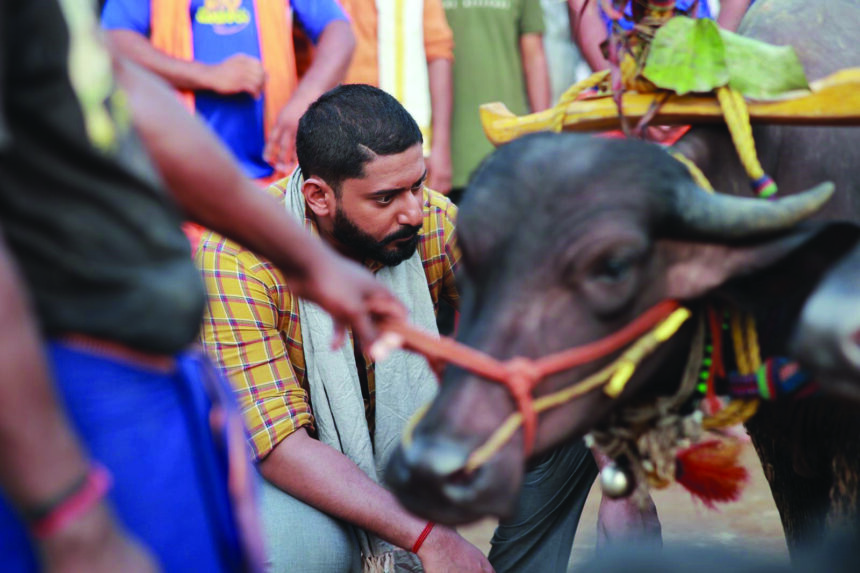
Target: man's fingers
{"points": [[387, 309], [256, 88], [287, 153], [366, 330], [384, 345], [273, 147], [339, 335]]}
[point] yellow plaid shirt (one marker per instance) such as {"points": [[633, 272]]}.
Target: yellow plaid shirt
{"points": [[251, 326]]}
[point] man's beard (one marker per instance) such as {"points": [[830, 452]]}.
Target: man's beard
{"points": [[348, 234]]}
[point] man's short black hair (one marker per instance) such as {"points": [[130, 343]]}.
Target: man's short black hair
{"points": [[347, 127]]}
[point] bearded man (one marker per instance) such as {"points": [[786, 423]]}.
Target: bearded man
{"points": [[322, 420]]}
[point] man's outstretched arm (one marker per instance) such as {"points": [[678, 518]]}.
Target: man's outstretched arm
{"points": [[213, 192], [326, 479]]}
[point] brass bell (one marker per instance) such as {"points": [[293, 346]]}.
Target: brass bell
{"points": [[616, 481]]}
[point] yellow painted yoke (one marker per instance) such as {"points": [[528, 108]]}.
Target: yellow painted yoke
{"points": [[834, 100]]}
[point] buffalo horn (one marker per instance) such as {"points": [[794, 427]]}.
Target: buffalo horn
{"points": [[726, 216]]}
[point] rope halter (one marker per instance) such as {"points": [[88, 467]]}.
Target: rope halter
{"points": [[520, 375]]}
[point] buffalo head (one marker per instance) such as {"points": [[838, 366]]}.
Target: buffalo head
{"points": [[567, 239]]}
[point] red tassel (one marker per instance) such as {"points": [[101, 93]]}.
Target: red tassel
{"points": [[711, 472]]}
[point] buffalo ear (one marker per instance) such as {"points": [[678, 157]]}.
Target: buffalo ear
{"points": [[762, 267]]}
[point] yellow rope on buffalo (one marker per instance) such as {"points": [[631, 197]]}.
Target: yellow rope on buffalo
{"points": [[748, 357], [695, 172], [570, 95], [738, 121], [744, 336]]}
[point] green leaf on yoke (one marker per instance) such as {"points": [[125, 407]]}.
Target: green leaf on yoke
{"points": [[762, 71], [687, 55]]}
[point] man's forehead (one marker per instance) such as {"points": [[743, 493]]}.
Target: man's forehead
{"points": [[399, 170]]}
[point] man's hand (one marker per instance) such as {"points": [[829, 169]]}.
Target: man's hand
{"points": [[439, 170], [444, 550], [93, 543], [280, 151], [351, 295], [333, 53], [237, 74]]}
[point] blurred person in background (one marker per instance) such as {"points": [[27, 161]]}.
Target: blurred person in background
{"points": [[498, 56], [116, 438], [408, 53], [566, 65], [233, 61], [590, 24]]}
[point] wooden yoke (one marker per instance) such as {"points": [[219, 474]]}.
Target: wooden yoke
{"points": [[834, 100]]}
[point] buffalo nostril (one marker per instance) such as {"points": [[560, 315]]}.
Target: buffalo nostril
{"points": [[436, 459], [462, 477]]}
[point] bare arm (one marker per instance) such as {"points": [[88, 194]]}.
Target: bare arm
{"points": [[588, 32], [40, 458], [240, 73], [331, 60], [536, 72], [731, 13], [441, 101], [329, 481], [213, 192]]}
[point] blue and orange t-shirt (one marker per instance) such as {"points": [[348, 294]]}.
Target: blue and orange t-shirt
{"points": [[221, 29]]}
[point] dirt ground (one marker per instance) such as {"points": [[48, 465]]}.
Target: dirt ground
{"points": [[750, 525]]}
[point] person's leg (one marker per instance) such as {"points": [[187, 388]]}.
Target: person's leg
{"points": [[539, 536], [622, 522], [301, 538]]}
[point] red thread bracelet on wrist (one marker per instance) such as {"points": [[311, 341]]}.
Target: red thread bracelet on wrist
{"points": [[420, 541], [93, 489]]}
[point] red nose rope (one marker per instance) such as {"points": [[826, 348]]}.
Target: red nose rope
{"points": [[521, 375]]}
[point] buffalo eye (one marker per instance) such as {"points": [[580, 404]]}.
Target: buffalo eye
{"points": [[611, 283], [614, 269]]}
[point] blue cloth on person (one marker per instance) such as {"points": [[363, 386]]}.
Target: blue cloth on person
{"points": [[152, 430]]}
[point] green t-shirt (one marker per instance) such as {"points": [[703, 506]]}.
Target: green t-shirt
{"points": [[487, 67]]}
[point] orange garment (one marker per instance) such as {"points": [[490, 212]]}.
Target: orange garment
{"points": [[171, 33], [364, 67]]}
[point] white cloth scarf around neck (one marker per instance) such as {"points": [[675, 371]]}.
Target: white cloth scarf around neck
{"points": [[404, 382]]}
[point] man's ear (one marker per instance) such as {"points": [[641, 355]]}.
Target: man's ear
{"points": [[794, 260], [319, 196]]}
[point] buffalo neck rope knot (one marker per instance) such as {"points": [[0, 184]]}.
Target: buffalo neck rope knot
{"points": [[521, 375]]}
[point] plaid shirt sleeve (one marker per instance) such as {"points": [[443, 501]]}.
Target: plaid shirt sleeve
{"points": [[439, 250], [241, 333]]}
